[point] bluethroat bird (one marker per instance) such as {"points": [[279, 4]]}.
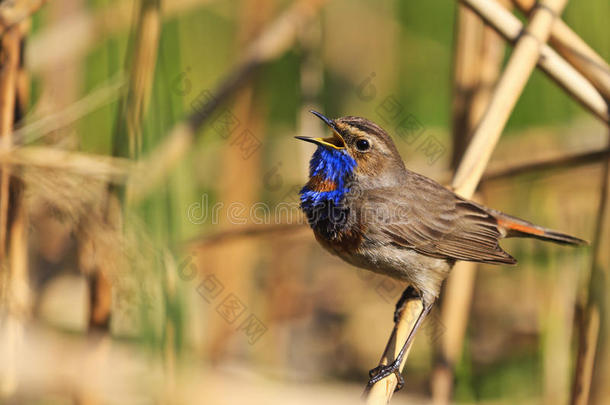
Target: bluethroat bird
{"points": [[367, 208]]}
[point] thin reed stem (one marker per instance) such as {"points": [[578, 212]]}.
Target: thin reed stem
{"points": [[557, 68], [591, 322], [576, 51], [13, 220]]}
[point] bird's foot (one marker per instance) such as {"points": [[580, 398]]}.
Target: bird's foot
{"points": [[381, 372]]}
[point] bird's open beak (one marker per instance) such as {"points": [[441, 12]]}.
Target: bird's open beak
{"points": [[335, 141]]}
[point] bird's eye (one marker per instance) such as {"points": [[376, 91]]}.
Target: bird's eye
{"points": [[363, 145]]}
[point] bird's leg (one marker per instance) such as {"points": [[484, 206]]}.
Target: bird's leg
{"points": [[381, 372], [408, 293]]}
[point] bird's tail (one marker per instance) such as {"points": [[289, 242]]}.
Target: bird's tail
{"points": [[520, 228]]}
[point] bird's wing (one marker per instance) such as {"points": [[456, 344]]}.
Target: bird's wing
{"points": [[426, 217]]}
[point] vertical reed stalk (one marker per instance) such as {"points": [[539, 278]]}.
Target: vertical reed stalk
{"points": [[477, 67], [13, 237], [509, 88], [127, 142], [466, 77], [8, 86], [557, 320], [141, 67], [591, 322]]}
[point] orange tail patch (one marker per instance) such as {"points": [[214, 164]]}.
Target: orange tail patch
{"points": [[520, 227]]}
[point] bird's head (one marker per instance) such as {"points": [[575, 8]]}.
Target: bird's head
{"points": [[358, 146]]}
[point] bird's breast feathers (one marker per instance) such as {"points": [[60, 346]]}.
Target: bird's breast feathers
{"points": [[345, 241]]}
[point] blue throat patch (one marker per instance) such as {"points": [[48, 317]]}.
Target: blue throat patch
{"points": [[333, 167]]}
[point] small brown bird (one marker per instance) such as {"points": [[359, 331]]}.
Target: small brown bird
{"points": [[367, 208]]}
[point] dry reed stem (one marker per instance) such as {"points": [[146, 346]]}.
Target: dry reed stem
{"points": [[466, 77], [561, 162], [582, 57], [22, 100], [12, 218], [470, 62], [382, 391], [511, 84], [141, 73], [590, 330], [9, 63], [576, 51], [455, 309], [107, 168], [457, 293], [518, 70], [18, 250], [557, 68], [586, 357], [127, 140], [557, 320], [270, 44]]}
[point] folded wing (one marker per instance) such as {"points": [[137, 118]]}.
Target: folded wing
{"points": [[424, 216]]}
